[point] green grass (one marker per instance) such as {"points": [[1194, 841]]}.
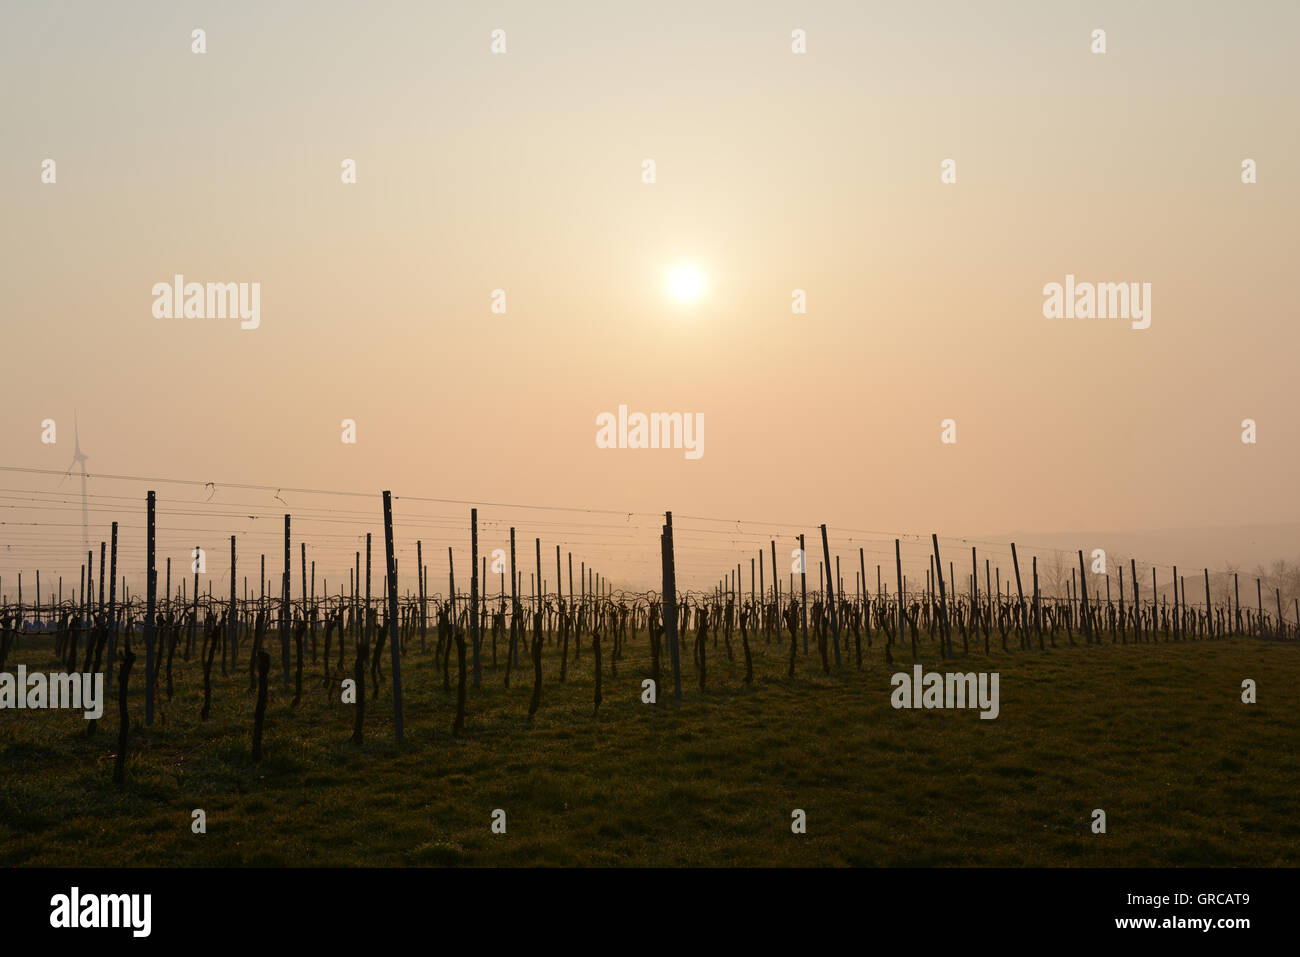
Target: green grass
{"points": [[1156, 735]]}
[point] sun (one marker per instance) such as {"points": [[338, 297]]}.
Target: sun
{"points": [[685, 282]]}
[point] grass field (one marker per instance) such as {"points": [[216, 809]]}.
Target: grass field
{"points": [[1156, 735]]}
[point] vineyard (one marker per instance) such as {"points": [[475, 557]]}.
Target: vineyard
{"points": [[384, 720], [845, 447]]}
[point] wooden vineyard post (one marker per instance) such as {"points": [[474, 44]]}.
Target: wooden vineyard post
{"points": [[302, 562], [744, 629], [930, 587], [776, 591], [87, 611], [1177, 631], [360, 640], [194, 622], [286, 613], [595, 656], [1071, 595], [1180, 585], [1209, 621], [975, 596], [830, 596], [514, 611], [451, 606], [536, 700], [1236, 591], [151, 597], [80, 617], [354, 577], [898, 563], [1259, 596], [866, 604], [1083, 601], [1020, 592], [1114, 637], [1038, 609], [475, 639], [945, 635], [424, 608], [947, 624], [1122, 633], [366, 616], [1137, 605], [803, 591], [573, 624], [559, 590], [511, 656], [393, 639], [670, 604], [562, 614], [232, 632], [1155, 592]]}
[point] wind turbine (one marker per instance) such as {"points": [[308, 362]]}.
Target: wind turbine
{"points": [[80, 457]]}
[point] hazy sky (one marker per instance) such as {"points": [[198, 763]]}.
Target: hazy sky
{"points": [[775, 171]]}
